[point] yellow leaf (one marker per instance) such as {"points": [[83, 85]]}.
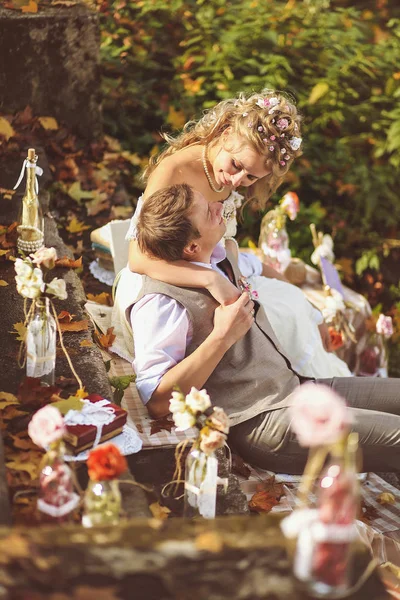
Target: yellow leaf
{"points": [[48, 123], [78, 194], [209, 541], [386, 498], [176, 118], [5, 129], [6, 399], [76, 226], [3, 252], [319, 90], [81, 393], [20, 331], [86, 344], [103, 298], [29, 467], [31, 7], [158, 511], [71, 403], [3, 283]]}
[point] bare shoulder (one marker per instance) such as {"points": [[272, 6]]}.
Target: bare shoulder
{"points": [[181, 167]]}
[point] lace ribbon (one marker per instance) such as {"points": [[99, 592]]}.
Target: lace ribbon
{"points": [[93, 413], [38, 171]]}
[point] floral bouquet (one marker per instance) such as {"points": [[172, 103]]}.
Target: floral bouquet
{"points": [[274, 240], [201, 474], [57, 498], [102, 500], [324, 534], [372, 351]]}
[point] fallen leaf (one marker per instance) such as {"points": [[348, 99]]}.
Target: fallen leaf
{"points": [[20, 331], [239, 467], [158, 425], [75, 325], [103, 298], [63, 3], [6, 399], [98, 204], [31, 7], [32, 394], [76, 226], [22, 441], [71, 403], [386, 498], [65, 317], [69, 263], [78, 194], [106, 339], [86, 344], [29, 467], [6, 129], [3, 283], [48, 123], [158, 511], [210, 541], [262, 502], [139, 427]]}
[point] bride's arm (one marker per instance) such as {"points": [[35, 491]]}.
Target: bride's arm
{"points": [[182, 274]]}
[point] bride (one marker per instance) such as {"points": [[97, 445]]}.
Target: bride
{"points": [[248, 142]]}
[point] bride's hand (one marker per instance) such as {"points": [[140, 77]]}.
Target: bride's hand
{"points": [[222, 289]]}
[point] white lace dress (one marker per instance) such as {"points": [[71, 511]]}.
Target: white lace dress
{"points": [[294, 320]]}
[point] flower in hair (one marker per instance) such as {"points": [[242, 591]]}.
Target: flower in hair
{"points": [[282, 163], [283, 150], [245, 114], [282, 124], [260, 128], [271, 148], [265, 140], [295, 143], [272, 138], [250, 124]]}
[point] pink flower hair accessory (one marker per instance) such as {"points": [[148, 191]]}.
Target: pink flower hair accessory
{"points": [[282, 123]]}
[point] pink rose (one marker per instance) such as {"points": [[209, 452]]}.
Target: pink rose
{"points": [[220, 419], [318, 415], [45, 257], [212, 441], [46, 426], [384, 326]]}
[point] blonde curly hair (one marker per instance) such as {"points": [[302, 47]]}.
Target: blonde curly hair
{"points": [[267, 121]]}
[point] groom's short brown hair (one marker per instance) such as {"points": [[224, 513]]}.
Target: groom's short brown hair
{"points": [[164, 227]]}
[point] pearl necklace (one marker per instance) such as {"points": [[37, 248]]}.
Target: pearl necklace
{"points": [[206, 171]]}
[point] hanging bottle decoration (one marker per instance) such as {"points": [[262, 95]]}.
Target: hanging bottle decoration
{"points": [[57, 499], [41, 338], [274, 239], [30, 220]]}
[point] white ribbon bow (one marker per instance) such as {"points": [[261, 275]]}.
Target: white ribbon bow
{"points": [[92, 413], [29, 165]]}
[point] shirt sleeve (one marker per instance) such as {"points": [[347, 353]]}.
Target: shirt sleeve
{"points": [[132, 231], [249, 264], [161, 332]]}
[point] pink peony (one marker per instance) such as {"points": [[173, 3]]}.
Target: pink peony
{"points": [[220, 420], [46, 426], [384, 326], [290, 204], [45, 257], [212, 441], [318, 415]]}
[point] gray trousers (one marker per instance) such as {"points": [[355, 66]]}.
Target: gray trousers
{"points": [[268, 442]]}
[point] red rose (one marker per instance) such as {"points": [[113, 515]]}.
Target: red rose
{"points": [[106, 462]]}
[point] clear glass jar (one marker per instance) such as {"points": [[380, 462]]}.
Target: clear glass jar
{"points": [[372, 357], [57, 498], [41, 343], [101, 503], [274, 240], [333, 532], [201, 476]]}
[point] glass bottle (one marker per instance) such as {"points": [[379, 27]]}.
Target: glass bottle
{"points": [[274, 239], [101, 503], [41, 343], [333, 532], [57, 499], [30, 219], [201, 476]]}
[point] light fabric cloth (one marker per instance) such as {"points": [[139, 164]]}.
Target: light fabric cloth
{"points": [[292, 317]]}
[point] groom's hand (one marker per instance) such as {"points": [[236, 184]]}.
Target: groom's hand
{"points": [[232, 322]]}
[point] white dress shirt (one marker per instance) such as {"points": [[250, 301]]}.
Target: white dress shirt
{"points": [[162, 329]]}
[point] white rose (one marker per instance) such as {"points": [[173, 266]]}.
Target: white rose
{"points": [[45, 257], [57, 288], [198, 401], [212, 441], [177, 402], [26, 290], [23, 268], [183, 420], [220, 419]]}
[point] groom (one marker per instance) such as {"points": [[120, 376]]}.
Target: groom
{"points": [[183, 337]]}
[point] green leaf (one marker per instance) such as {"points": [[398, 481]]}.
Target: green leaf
{"points": [[122, 382]]}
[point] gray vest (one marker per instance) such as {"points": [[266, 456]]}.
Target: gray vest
{"points": [[254, 376]]}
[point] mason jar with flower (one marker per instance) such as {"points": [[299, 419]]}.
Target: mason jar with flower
{"points": [[56, 499], [324, 535], [40, 340], [274, 239], [102, 499], [372, 350], [201, 468]]}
